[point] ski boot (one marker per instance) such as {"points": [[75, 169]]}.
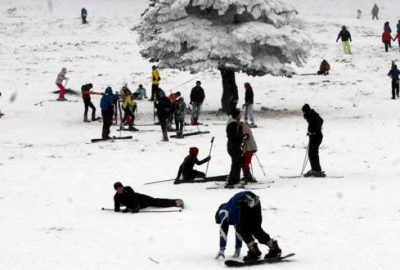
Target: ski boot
{"points": [[179, 203], [248, 177], [274, 250], [85, 119], [253, 254], [310, 173], [319, 174]]}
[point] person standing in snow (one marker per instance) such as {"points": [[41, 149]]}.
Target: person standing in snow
{"points": [[345, 36], [163, 106], [386, 28], [386, 39], [59, 82], [248, 105], [397, 34], [133, 201], [83, 15], [86, 92], [249, 147], [234, 133], [394, 74], [107, 110], [243, 211], [314, 132], [179, 114], [186, 168], [129, 107], [197, 97], [155, 83], [141, 92], [375, 12]]}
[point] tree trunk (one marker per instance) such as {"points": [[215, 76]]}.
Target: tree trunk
{"points": [[230, 95]]}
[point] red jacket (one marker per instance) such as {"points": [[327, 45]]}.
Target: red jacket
{"points": [[386, 36], [397, 36]]}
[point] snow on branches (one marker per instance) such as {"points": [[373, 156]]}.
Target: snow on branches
{"points": [[253, 36]]}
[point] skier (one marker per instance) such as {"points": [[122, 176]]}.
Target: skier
{"points": [[248, 106], [135, 201], [163, 106], [186, 168], [243, 211], [155, 83], [394, 74], [234, 132], [324, 68], [375, 12], [345, 36], [249, 147], [129, 107], [141, 92], [59, 82], [86, 92], [84, 15], [197, 97], [386, 28], [179, 114], [386, 39], [107, 110], [314, 132]]}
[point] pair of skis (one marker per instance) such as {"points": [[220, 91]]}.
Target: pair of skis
{"points": [[234, 263], [111, 139]]}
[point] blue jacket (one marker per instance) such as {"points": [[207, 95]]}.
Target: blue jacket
{"points": [[107, 101], [83, 12], [394, 73]]}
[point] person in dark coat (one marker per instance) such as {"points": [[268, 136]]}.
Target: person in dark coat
{"points": [[397, 33], [84, 15], [234, 132], [324, 68], [386, 39], [375, 12], [243, 211], [107, 110], [387, 28], [394, 74], [197, 97], [314, 132], [86, 92], [248, 104], [179, 114], [186, 169], [345, 36], [133, 202], [163, 106]]}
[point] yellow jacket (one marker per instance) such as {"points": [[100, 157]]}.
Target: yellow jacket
{"points": [[129, 103], [155, 77]]}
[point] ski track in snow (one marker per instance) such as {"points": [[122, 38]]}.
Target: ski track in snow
{"points": [[54, 182]]}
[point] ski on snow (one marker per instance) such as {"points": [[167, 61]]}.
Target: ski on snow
{"points": [[249, 186], [192, 133], [301, 176], [111, 139], [234, 263], [201, 180]]}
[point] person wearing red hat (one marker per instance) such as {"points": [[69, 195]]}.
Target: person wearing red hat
{"points": [[186, 169]]}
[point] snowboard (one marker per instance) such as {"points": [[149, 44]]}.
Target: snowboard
{"points": [[192, 133], [234, 263], [112, 139]]}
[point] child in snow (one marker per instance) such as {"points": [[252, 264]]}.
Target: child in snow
{"points": [[324, 68], [249, 147], [397, 34], [243, 211], [135, 201], [179, 114], [86, 92], [59, 82], [386, 39], [129, 107], [375, 12], [141, 92], [394, 74], [248, 106], [155, 83], [345, 36], [84, 15], [186, 169], [197, 97], [107, 110], [386, 28]]}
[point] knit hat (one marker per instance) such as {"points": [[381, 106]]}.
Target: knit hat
{"points": [[306, 108], [117, 185], [193, 151]]}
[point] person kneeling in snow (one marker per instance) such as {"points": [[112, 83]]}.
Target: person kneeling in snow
{"points": [[324, 68], [243, 211], [186, 168], [135, 201]]}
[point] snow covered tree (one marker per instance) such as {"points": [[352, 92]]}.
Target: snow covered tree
{"points": [[257, 37]]}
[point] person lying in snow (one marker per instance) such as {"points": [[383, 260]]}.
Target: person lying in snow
{"points": [[186, 169], [133, 202]]}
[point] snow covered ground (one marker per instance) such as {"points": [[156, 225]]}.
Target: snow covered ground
{"points": [[54, 182]]}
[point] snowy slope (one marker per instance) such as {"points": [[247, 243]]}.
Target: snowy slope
{"points": [[53, 182]]}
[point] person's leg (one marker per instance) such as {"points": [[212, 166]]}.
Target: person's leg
{"points": [[62, 90], [397, 88], [246, 113], [90, 104], [386, 46], [393, 89], [251, 114], [85, 119], [315, 142], [236, 157], [106, 125]]}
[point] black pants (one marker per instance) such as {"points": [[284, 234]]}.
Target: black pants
{"points": [[193, 174], [155, 92], [84, 19], [107, 121], [375, 16], [313, 151], [179, 126], [146, 201], [164, 127], [249, 226], [395, 88], [236, 164], [88, 103], [387, 44]]}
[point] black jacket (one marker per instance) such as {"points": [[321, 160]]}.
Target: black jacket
{"points": [[187, 165], [85, 92], [314, 123], [344, 35], [128, 198], [249, 96], [164, 107], [234, 132], [197, 94]]}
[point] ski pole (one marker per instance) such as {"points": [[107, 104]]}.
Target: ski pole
{"points": [[182, 84], [160, 181], [305, 160], [209, 154], [259, 163], [148, 211]]}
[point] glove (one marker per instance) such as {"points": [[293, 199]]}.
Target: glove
{"points": [[208, 158], [220, 254], [237, 253]]}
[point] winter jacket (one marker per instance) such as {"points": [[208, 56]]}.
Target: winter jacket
{"points": [[86, 92], [394, 74], [375, 10], [155, 77], [197, 94], [249, 96], [344, 35], [61, 76], [83, 12], [386, 36], [108, 100], [232, 207], [249, 143], [314, 123], [187, 165], [179, 109], [129, 103], [234, 132], [164, 107], [324, 68], [128, 198]]}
